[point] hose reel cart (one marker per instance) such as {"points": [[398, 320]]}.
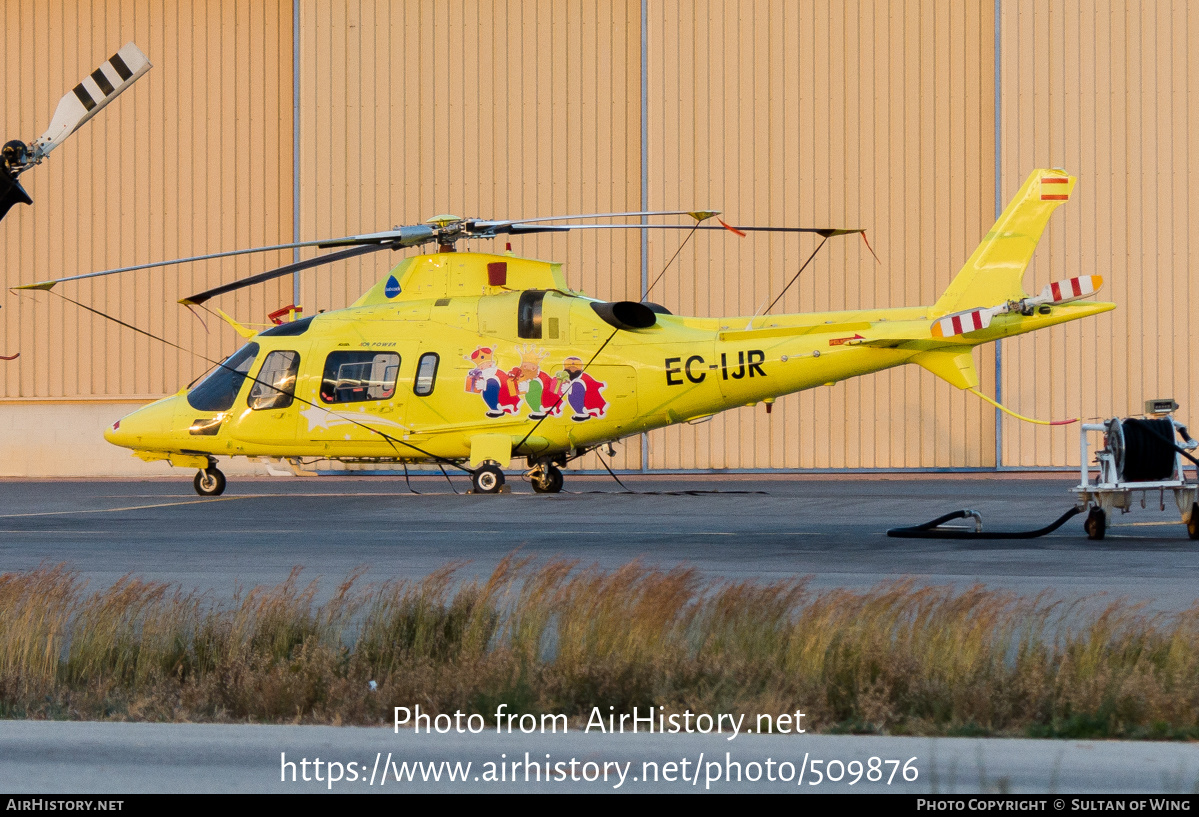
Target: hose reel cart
{"points": [[1138, 455]]}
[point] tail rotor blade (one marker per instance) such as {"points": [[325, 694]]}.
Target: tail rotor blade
{"points": [[959, 323], [1059, 292], [1072, 289]]}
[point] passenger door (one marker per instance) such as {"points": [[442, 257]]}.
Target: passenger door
{"points": [[270, 413]]}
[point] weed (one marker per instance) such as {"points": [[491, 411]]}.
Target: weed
{"points": [[559, 638]]}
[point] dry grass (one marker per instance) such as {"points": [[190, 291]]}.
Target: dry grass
{"points": [[557, 638]]}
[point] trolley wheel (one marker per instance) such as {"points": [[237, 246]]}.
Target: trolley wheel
{"points": [[487, 479], [1096, 524], [209, 482], [1193, 525], [550, 482]]}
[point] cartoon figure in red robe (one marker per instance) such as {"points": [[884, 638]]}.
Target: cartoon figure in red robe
{"points": [[499, 391], [580, 390]]}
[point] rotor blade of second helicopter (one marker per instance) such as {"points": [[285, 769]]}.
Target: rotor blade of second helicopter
{"points": [[281, 271]]}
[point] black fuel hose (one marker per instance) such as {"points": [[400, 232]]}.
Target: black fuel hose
{"points": [[930, 530]]}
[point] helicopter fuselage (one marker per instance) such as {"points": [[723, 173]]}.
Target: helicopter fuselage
{"points": [[478, 358]]}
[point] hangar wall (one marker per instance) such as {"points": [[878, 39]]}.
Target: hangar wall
{"points": [[487, 109], [775, 113], [862, 114], [872, 114], [195, 157], [1106, 90]]}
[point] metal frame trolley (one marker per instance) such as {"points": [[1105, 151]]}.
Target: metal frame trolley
{"points": [[1138, 454]]}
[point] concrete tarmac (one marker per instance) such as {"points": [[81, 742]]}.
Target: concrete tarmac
{"points": [[833, 529], [63, 758]]}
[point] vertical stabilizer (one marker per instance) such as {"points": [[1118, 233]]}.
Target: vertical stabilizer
{"points": [[993, 274]]}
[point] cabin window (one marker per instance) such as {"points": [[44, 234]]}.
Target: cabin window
{"points": [[528, 314], [426, 374], [354, 377], [275, 387], [218, 390]]}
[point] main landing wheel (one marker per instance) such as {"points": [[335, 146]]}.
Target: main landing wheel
{"points": [[487, 479], [209, 482], [549, 481], [1096, 524]]}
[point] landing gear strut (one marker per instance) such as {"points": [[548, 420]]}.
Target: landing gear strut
{"points": [[547, 479], [488, 478], [209, 482]]}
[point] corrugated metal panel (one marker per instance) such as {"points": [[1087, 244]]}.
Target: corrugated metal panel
{"points": [[1102, 90], [870, 114], [861, 114], [489, 109], [195, 157]]}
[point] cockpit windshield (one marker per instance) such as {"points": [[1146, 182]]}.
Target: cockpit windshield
{"points": [[218, 391]]}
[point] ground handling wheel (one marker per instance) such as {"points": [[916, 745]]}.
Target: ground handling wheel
{"points": [[487, 479], [1193, 525], [1096, 524], [209, 482], [549, 481]]}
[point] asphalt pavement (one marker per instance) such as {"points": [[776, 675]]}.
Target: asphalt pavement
{"points": [[832, 529]]}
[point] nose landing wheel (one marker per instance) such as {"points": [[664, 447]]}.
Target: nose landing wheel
{"points": [[209, 482]]}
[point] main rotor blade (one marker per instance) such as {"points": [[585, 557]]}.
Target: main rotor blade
{"points": [[50, 284], [408, 236], [825, 232], [91, 95], [501, 222], [281, 271]]}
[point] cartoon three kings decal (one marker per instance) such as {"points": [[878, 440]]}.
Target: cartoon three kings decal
{"points": [[504, 391]]}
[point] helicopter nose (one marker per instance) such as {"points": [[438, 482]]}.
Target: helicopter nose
{"points": [[121, 432], [125, 432], [147, 428]]}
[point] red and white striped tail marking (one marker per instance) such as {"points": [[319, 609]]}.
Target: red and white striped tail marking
{"points": [[1051, 189], [962, 322], [1071, 289]]}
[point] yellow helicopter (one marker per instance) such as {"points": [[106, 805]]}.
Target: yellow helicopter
{"points": [[474, 360]]}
